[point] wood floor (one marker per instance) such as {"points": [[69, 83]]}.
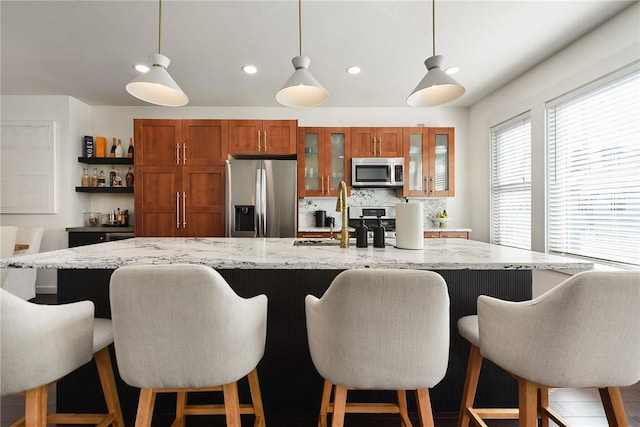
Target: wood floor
{"points": [[580, 407]]}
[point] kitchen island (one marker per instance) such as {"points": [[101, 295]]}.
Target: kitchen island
{"points": [[286, 274]]}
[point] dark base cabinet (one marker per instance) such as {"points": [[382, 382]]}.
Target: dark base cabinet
{"points": [[291, 387]]}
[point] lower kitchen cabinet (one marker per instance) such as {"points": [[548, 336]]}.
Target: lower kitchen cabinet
{"points": [[82, 236], [180, 201], [446, 234]]}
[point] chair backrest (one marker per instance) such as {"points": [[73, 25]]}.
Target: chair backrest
{"points": [[42, 343], [182, 326], [585, 332], [7, 246], [385, 329], [31, 236]]}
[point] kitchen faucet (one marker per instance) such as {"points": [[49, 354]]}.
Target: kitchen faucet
{"points": [[341, 206]]}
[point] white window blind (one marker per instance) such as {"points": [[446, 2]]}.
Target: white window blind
{"points": [[511, 183], [594, 171]]}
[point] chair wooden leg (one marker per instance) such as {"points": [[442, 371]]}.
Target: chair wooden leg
{"points": [[543, 404], [108, 382], [339, 406], [527, 403], [424, 407], [256, 398], [145, 407], [613, 406], [231, 404], [36, 407], [402, 406], [324, 404], [181, 406], [470, 385]]}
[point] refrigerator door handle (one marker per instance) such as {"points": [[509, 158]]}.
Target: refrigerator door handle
{"points": [[258, 212], [263, 201]]}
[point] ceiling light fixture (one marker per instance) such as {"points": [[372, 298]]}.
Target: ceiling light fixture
{"points": [[452, 70], [301, 90], [249, 69], [436, 87], [156, 86], [141, 68], [353, 70]]}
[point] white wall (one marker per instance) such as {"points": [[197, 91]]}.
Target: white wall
{"points": [[606, 49], [72, 119]]}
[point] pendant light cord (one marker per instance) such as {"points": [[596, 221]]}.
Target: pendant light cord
{"points": [[300, 27], [433, 17], [159, 24]]}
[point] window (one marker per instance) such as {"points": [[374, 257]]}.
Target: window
{"points": [[511, 183], [594, 171]]}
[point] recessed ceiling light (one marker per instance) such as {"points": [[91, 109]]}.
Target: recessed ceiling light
{"points": [[141, 68], [452, 70], [250, 69], [353, 70]]}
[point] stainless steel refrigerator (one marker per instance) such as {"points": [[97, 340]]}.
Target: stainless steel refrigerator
{"points": [[261, 198]]}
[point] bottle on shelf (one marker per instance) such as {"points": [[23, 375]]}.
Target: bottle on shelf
{"points": [[113, 148], [102, 182], [94, 178], [101, 146], [112, 176], [129, 178], [130, 150], [119, 149], [85, 177], [117, 181]]}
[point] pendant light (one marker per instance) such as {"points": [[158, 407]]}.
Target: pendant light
{"points": [[301, 90], [437, 87], [156, 85]]}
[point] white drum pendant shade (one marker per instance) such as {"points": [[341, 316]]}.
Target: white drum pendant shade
{"points": [[302, 89], [436, 88], [156, 86]]}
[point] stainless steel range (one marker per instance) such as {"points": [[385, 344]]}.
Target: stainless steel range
{"points": [[370, 214]]}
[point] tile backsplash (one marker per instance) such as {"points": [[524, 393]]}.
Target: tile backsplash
{"points": [[364, 197]]}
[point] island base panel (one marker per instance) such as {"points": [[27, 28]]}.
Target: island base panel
{"points": [[291, 387]]}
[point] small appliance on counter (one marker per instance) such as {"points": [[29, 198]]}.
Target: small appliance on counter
{"points": [[370, 215]]}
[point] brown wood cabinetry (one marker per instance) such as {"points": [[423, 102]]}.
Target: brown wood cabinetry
{"points": [[429, 162], [323, 161], [446, 234], [180, 180], [376, 142], [272, 137]]}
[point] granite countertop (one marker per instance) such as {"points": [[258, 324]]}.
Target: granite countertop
{"points": [[279, 253], [304, 229]]}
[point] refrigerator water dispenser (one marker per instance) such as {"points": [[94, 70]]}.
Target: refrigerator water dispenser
{"points": [[245, 215]]}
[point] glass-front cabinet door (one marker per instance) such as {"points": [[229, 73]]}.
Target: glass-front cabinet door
{"points": [[429, 162], [322, 161]]}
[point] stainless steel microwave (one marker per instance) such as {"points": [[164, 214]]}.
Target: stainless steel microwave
{"points": [[377, 172]]}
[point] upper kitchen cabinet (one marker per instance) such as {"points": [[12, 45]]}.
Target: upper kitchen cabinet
{"points": [[180, 142], [323, 161], [429, 154], [376, 142], [265, 137]]}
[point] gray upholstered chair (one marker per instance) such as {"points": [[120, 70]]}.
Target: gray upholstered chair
{"points": [[583, 333], [380, 330], [22, 281], [43, 343], [181, 328]]}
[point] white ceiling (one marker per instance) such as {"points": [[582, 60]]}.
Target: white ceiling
{"points": [[86, 49]]}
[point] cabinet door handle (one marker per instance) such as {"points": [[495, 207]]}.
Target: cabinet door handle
{"points": [[177, 154], [322, 185], [425, 189], [177, 209], [184, 154], [258, 141], [265, 141], [432, 186], [380, 146], [374, 147], [184, 210]]}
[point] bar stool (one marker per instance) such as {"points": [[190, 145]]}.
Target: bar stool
{"points": [[583, 333], [181, 328], [379, 330], [43, 343]]}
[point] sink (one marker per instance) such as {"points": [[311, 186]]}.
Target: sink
{"points": [[316, 242]]}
